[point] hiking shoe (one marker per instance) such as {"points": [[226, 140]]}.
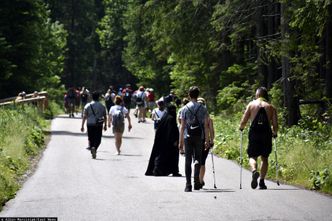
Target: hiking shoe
{"points": [[203, 183], [177, 174], [93, 152], [254, 182], [197, 186], [262, 185], [188, 188]]}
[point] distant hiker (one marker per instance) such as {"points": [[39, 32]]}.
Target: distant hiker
{"points": [[109, 99], [158, 113], [194, 124], [170, 98], [206, 151], [84, 98], [164, 159], [95, 116], [71, 98], [141, 104], [77, 98], [126, 96], [262, 115], [117, 114], [151, 103], [184, 102]]}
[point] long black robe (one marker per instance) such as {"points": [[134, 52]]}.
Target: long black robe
{"points": [[164, 159]]}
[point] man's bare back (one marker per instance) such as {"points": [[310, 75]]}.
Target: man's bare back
{"points": [[252, 110]]}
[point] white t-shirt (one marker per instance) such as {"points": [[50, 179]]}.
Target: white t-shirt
{"points": [[158, 113], [114, 109]]}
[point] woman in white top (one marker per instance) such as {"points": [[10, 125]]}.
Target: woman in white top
{"points": [[158, 113], [117, 113]]}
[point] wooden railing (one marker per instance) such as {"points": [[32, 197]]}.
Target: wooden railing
{"points": [[38, 99]]}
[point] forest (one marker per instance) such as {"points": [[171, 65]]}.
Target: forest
{"points": [[226, 47]]}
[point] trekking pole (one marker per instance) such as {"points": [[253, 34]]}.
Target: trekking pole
{"points": [[275, 154], [214, 173], [241, 159]]}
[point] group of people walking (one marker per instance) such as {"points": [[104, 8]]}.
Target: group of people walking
{"points": [[188, 131]]}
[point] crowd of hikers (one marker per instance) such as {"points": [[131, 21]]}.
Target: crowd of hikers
{"points": [[181, 127]]}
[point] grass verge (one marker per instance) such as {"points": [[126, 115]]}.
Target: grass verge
{"points": [[22, 138]]}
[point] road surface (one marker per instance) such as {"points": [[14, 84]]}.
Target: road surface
{"points": [[68, 184]]}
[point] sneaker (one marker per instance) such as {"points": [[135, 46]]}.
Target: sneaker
{"points": [[254, 182], [203, 183], [177, 174], [93, 152], [262, 185], [88, 148], [188, 188]]}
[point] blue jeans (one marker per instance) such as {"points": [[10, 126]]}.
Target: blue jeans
{"points": [[193, 150]]}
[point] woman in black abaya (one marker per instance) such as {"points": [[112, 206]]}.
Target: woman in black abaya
{"points": [[164, 159]]}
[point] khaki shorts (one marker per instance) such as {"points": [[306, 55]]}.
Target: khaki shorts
{"points": [[118, 129]]}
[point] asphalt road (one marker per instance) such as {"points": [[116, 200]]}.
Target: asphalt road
{"points": [[68, 184]]}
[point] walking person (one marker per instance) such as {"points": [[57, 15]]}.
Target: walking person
{"points": [[109, 98], [84, 98], [194, 124], [141, 104], [205, 151], [95, 116], [126, 96], [262, 116], [164, 158], [117, 114], [158, 113]]}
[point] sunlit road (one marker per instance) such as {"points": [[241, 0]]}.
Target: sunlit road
{"points": [[68, 184]]}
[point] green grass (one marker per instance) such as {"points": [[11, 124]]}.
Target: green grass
{"points": [[21, 138], [304, 151]]}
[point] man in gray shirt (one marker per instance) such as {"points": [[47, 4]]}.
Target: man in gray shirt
{"points": [[95, 116], [193, 130]]}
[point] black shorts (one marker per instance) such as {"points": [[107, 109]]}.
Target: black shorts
{"points": [[260, 143]]}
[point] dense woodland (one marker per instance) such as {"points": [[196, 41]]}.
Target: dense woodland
{"points": [[227, 48]]}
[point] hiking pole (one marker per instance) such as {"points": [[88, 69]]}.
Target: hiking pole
{"points": [[241, 159], [214, 173], [275, 154]]}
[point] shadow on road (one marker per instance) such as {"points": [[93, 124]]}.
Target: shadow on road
{"points": [[216, 191], [69, 133]]}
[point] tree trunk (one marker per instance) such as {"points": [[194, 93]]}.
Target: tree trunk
{"points": [[290, 101], [261, 69], [270, 29], [328, 49]]}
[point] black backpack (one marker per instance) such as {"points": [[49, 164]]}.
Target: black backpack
{"points": [[194, 128], [127, 96], [261, 121]]}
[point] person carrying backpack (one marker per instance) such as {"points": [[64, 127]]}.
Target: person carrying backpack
{"points": [[262, 115], [126, 96], [193, 131], [95, 116], [117, 114], [109, 99], [141, 104]]}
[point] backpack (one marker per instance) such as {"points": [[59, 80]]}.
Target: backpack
{"points": [[71, 93], [194, 128], [108, 102], [261, 121], [118, 118], [127, 96], [139, 100]]}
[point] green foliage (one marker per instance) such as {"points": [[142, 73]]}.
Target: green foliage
{"points": [[21, 137]]}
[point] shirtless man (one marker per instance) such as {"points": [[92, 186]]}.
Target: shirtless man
{"points": [[262, 115]]}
